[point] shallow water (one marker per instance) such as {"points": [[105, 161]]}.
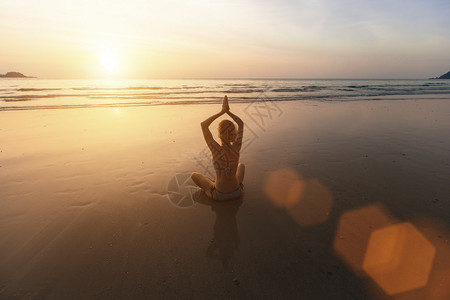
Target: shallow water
{"points": [[26, 94]]}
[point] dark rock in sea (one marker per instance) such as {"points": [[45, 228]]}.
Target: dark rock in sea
{"points": [[14, 75], [445, 76]]}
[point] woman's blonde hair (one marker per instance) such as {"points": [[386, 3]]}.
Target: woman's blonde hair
{"points": [[227, 131]]}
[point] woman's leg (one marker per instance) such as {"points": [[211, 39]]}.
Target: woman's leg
{"points": [[205, 183], [240, 173]]}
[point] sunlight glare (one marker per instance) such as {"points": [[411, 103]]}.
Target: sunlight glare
{"points": [[308, 201], [399, 258], [109, 61], [354, 231]]}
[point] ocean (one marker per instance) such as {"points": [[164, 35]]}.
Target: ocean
{"points": [[32, 94]]}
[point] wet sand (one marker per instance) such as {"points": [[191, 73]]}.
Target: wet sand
{"points": [[338, 197]]}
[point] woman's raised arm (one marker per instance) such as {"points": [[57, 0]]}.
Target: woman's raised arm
{"points": [[240, 132], [205, 124]]}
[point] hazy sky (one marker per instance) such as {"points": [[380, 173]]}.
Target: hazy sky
{"points": [[225, 38]]}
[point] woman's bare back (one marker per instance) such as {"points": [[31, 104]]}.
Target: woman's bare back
{"points": [[225, 161]]}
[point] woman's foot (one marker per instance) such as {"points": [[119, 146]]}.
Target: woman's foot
{"points": [[210, 193]]}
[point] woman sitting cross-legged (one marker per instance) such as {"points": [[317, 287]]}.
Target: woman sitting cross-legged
{"points": [[225, 157]]}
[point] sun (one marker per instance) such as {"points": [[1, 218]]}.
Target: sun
{"points": [[109, 61]]}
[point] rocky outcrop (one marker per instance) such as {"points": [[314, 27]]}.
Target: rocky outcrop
{"points": [[14, 75], [445, 76]]}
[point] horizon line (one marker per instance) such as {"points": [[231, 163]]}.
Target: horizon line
{"points": [[232, 78]]}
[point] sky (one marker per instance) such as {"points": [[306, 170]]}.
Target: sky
{"points": [[144, 39]]}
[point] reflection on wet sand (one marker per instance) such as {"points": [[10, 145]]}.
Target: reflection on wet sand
{"points": [[88, 208], [226, 235]]}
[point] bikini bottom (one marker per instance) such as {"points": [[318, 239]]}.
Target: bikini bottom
{"points": [[228, 196]]}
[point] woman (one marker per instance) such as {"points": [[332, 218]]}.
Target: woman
{"points": [[225, 157]]}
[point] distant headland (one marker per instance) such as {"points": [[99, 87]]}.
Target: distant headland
{"points": [[15, 75], [445, 76]]}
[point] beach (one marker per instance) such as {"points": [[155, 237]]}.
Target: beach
{"points": [[338, 196]]}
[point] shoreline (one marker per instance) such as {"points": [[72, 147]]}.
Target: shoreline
{"points": [[118, 105]]}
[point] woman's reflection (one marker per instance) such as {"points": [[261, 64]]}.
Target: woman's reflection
{"points": [[226, 236]]}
